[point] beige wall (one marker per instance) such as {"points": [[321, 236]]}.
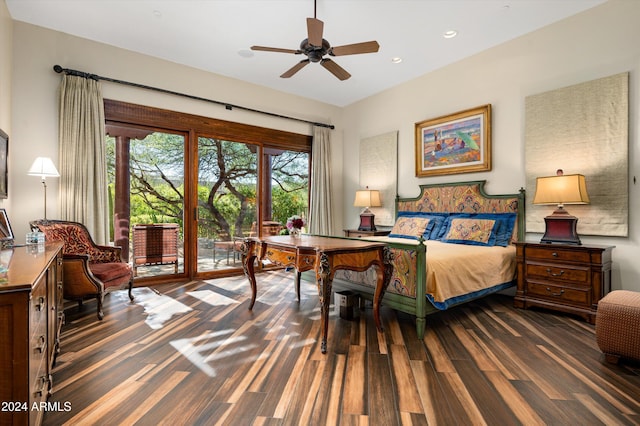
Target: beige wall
{"points": [[6, 36], [35, 110], [597, 43], [600, 42]]}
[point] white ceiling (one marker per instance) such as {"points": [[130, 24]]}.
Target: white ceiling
{"points": [[212, 34]]}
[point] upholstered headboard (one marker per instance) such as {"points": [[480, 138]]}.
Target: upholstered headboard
{"points": [[465, 197]]}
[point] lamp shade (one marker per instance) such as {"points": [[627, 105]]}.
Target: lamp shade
{"points": [[367, 198], [44, 167], [561, 189]]}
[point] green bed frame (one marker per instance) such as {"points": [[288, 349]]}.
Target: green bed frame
{"points": [[462, 197]]}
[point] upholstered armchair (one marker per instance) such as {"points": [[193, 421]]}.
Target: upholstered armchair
{"points": [[89, 270]]}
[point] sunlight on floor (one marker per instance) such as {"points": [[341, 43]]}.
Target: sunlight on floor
{"points": [[158, 307], [212, 298], [203, 349]]}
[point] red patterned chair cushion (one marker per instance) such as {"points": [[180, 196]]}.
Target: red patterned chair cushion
{"points": [[111, 274]]}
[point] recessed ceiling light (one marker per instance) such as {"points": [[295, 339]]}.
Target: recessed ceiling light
{"points": [[245, 53], [450, 34], [157, 13], [396, 60]]}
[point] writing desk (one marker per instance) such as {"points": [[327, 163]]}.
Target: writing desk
{"points": [[324, 255]]}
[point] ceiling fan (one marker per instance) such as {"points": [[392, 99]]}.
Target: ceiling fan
{"points": [[315, 48]]}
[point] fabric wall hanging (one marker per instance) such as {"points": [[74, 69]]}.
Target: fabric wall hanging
{"points": [[379, 170], [582, 129]]}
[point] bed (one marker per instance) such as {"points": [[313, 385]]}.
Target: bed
{"points": [[450, 245]]}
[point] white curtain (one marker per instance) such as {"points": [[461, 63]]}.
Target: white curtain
{"points": [[320, 211], [83, 168]]}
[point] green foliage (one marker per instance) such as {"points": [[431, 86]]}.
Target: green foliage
{"points": [[227, 181]]}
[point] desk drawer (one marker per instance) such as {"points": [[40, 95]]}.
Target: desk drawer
{"points": [[281, 257]]}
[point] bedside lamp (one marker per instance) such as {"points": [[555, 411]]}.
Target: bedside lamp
{"points": [[560, 227], [367, 198], [43, 167]]}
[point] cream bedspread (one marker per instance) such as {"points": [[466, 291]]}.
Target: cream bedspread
{"points": [[456, 270]]}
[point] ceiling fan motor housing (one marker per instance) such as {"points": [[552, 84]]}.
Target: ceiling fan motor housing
{"points": [[314, 53], [314, 47]]}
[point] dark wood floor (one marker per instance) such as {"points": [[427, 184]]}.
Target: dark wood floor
{"points": [[199, 356]]}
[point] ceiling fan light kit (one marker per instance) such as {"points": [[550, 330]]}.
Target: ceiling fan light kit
{"points": [[314, 47]]}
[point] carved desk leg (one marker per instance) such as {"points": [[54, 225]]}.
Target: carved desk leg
{"points": [[384, 270], [324, 277], [298, 274], [248, 250]]}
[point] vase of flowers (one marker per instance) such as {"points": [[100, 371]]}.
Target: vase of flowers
{"points": [[295, 224]]}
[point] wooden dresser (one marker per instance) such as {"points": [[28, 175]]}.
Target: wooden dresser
{"points": [[31, 314], [567, 278]]}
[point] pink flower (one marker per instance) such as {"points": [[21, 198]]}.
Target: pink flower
{"points": [[295, 222]]}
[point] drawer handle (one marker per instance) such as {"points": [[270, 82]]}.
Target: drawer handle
{"points": [[554, 254], [40, 304], [555, 294], [41, 341], [554, 274], [43, 384]]}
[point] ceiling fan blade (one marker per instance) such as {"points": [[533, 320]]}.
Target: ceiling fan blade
{"points": [[314, 31], [355, 49], [297, 67], [275, 49], [335, 69]]}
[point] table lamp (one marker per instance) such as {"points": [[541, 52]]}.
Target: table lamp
{"points": [[367, 198], [560, 227], [43, 167]]}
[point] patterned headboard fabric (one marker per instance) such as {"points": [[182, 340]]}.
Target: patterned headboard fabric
{"points": [[465, 197]]}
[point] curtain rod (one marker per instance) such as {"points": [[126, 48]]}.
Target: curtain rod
{"points": [[59, 69]]}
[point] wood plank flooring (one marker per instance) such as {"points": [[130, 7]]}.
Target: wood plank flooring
{"points": [[187, 354]]}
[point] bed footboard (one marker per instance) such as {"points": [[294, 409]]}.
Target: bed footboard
{"points": [[407, 288]]}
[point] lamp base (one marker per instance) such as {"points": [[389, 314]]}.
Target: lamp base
{"points": [[561, 228], [366, 222]]}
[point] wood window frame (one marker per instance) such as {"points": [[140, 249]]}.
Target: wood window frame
{"points": [[124, 114]]}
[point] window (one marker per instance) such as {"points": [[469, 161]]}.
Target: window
{"points": [[220, 181]]}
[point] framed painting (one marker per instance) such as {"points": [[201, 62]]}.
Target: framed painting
{"points": [[4, 173], [455, 143]]}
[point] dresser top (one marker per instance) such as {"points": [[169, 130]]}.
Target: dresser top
{"points": [[553, 246], [25, 265]]}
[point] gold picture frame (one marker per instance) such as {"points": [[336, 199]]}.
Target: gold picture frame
{"points": [[455, 143]]}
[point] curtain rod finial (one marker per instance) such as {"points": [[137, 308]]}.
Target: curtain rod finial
{"points": [[57, 68]]}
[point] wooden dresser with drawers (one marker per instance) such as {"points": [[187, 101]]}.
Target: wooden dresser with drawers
{"points": [[567, 278], [31, 315]]}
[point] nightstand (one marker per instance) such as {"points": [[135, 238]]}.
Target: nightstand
{"points": [[354, 233], [566, 278]]}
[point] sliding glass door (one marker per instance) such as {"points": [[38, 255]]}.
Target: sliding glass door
{"points": [[231, 205], [227, 194], [198, 184], [155, 196]]}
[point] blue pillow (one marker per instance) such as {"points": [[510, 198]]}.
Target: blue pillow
{"points": [[440, 225]]}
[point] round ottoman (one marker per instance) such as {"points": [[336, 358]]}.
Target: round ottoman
{"points": [[618, 325]]}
